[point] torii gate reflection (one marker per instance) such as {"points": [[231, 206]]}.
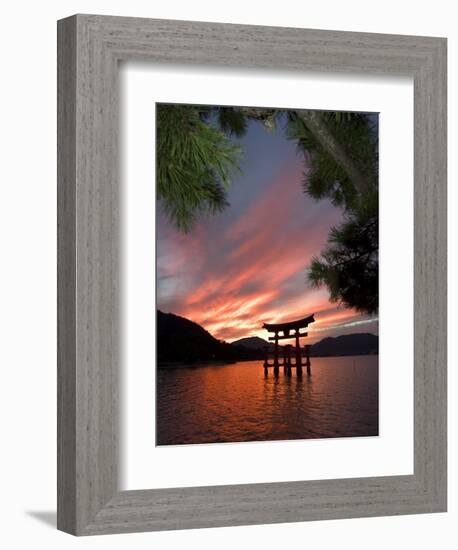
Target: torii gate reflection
{"points": [[285, 329]]}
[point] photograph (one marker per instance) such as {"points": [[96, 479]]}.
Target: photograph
{"points": [[267, 274]]}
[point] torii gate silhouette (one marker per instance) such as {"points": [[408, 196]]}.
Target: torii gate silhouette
{"points": [[285, 329]]}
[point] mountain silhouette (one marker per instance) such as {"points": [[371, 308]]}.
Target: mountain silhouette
{"points": [[363, 343], [254, 342], [181, 341]]}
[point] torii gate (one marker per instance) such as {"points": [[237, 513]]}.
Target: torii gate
{"points": [[285, 329]]}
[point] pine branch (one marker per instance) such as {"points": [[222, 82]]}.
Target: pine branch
{"points": [[315, 123]]}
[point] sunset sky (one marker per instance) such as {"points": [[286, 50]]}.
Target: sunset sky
{"points": [[247, 265]]}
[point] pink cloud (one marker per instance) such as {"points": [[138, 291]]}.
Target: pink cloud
{"points": [[253, 269]]}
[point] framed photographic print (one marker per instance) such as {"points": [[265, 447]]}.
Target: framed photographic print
{"points": [[252, 275], [236, 276]]}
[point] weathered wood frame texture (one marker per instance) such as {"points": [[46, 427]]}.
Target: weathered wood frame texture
{"points": [[89, 49]]}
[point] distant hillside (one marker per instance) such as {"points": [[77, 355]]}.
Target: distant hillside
{"points": [[253, 342], [349, 344], [180, 340]]}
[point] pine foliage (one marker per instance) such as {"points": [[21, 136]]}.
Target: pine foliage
{"points": [[323, 177], [232, 122], [348, 266], [195, 161]]}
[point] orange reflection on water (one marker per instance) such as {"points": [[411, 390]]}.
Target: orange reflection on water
{"points": [[235, 403]]}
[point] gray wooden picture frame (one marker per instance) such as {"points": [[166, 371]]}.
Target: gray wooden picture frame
{"points": [[89, 49]]}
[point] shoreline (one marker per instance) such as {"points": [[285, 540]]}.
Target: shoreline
{"points": [[208, 363], [177, 365]]}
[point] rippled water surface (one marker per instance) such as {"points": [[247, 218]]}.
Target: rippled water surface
{"points": [[237, 402]]}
